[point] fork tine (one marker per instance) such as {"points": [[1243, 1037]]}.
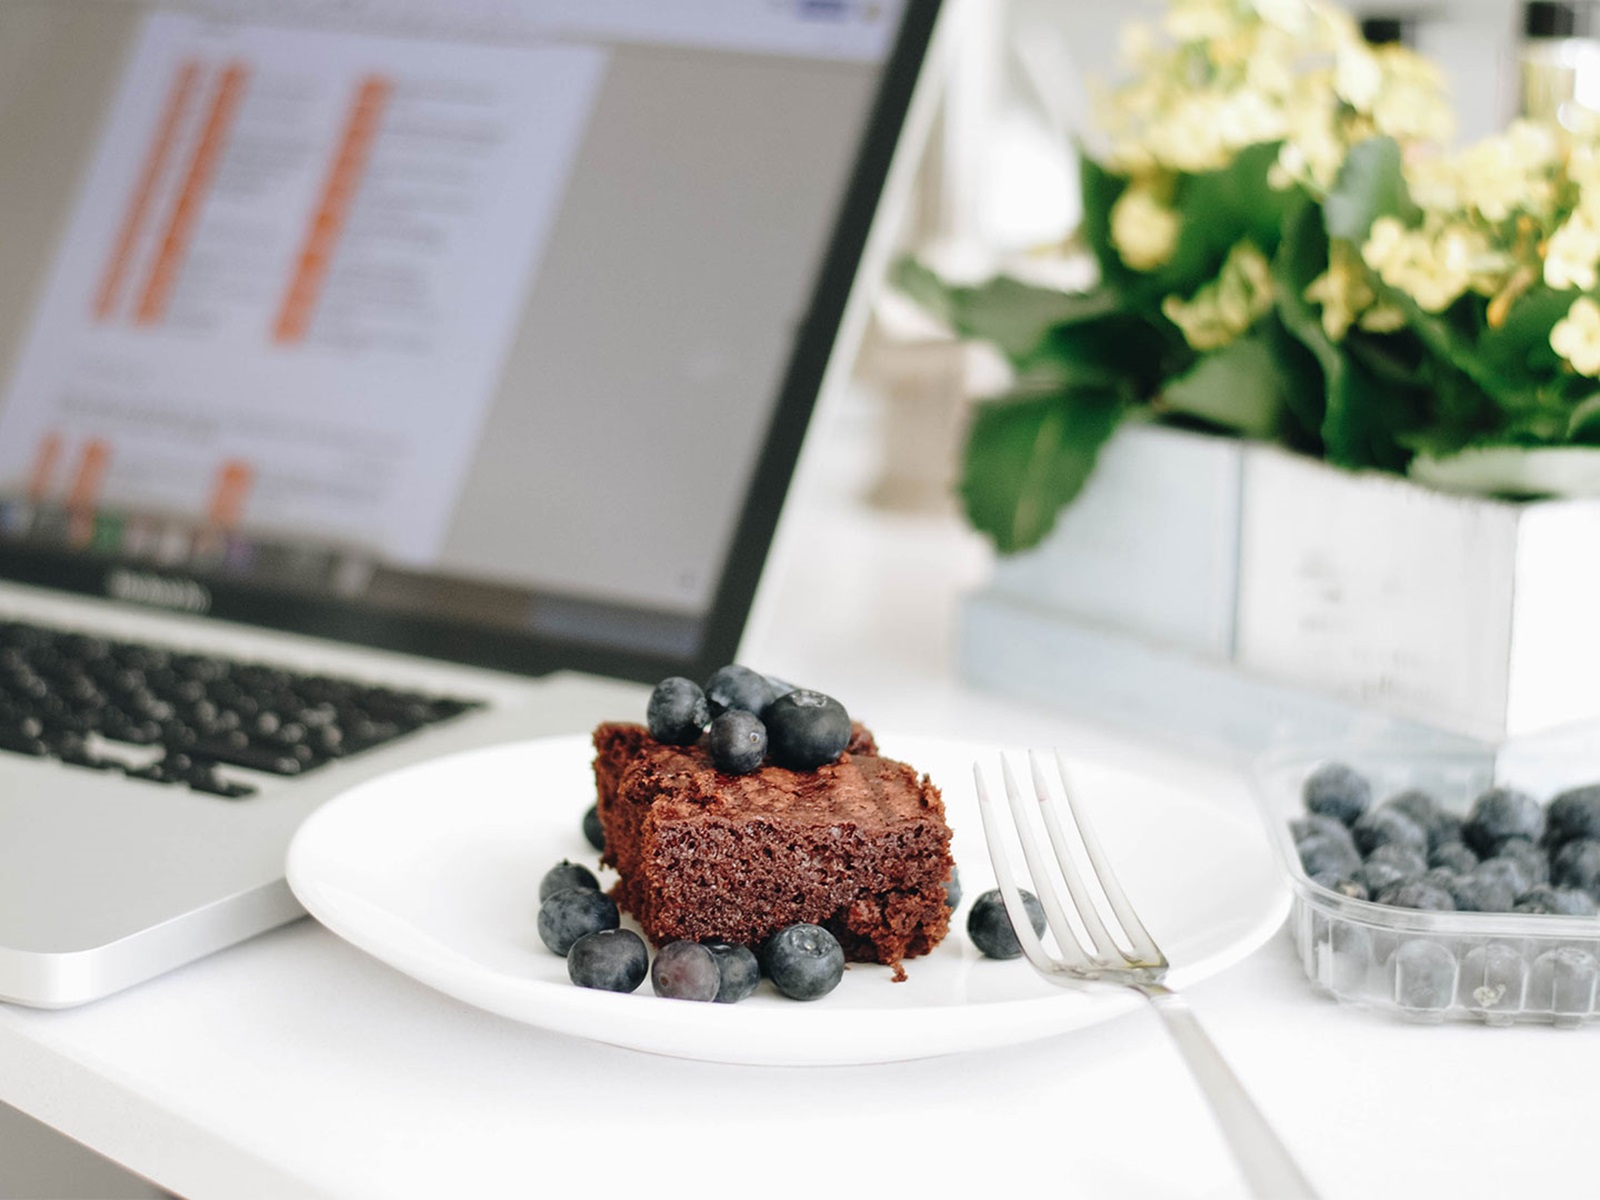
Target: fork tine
{"points": [[1105, 945], [1026, 937], [1044, 886], [1143, 945]]}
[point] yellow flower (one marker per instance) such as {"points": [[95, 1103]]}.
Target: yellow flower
{"points": [[1572, 253], [1143, 229], [1343, 291], [1227, 306], [1199, 20], [1433, 265], [1576, 337]]}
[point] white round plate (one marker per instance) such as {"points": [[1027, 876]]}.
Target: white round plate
{"points": [[435, 870]]}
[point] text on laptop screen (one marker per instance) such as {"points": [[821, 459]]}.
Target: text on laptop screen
{"points": [[476, 314]]}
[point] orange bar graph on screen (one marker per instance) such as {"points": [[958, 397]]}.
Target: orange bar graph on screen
{"points": [[191, 196], [333, 209], [91, 473], [229, 491], [45, 459], [155, 165]]}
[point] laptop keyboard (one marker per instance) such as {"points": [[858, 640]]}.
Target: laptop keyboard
{"points": [[183, 719]]}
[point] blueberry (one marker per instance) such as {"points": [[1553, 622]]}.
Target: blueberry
{"points": [[1454, 856], [1378, 877], [1512, 873], [1441, 877], [1423, 976], [778, 687], [1382, 826], [1438, 823], [1321, 855], [1317, 825], [1338, 791], [567, 915], [1529, 857], [989, 925], [738, 971], [678, 711], [566, 875], [1557, 901], [1492, 981], [805, 961], [738, 742], [1574, 813], [1577, 865], [1483, 892], [1499, 815], [1408, 858], [592, 830], [952, 889], [807, 729], [1413, 893], [1414, 803], [613, 960], [685, 971], [1563, 982], [736, 687]]}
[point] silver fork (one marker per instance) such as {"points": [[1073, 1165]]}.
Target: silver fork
{"points": [[1090, 954]]}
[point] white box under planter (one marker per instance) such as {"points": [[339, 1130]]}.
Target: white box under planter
{"points": [[1238, 595]]}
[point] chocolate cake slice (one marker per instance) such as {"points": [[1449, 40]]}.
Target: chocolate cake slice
{"points": [[859, 846]]}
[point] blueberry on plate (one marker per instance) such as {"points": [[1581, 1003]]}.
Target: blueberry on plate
{"points": [[567, 915], [678, 711], [739, 971], [612, 960], [952, 889], [989, 925], [593, 832], [807, 729], [737, 687], [805, 961], [566, 875], [685, 971], [738, 742], [1338, 791]]}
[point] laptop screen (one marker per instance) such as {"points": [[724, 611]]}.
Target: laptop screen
{"points": [[483, 330]]}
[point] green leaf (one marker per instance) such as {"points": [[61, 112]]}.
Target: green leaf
{"points": [[1026, 459], [1513, 471], [1369, 185], [1219, 209], [1120, 350], [1238, 387], [1583, 425], [1362, 415], [1100, 189], [1013, 315]]}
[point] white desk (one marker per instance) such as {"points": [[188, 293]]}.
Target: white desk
{"points": [[294, 1065]]}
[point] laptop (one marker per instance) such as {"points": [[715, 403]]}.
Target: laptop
{"points": [[382, 379]]}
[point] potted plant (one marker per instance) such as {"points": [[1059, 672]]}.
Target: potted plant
{"points": [[1293, 261]]}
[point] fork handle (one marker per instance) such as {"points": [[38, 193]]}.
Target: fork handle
{"points": [[1262, 1157]]}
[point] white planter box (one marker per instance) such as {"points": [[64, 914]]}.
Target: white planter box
{"points": [[1241, 595]]}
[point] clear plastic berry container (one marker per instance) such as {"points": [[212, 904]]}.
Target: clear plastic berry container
{"points": [[1492, 967]]}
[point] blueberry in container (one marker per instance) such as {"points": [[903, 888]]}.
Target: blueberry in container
{"points": [[1501, 928]]}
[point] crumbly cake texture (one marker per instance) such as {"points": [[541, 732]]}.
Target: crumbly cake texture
{"points": [[859, 846]]}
